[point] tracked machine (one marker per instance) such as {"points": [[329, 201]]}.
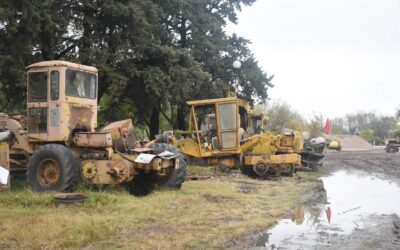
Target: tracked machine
{"points": [[57, 144]]}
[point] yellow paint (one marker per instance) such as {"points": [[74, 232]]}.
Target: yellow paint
{"points": [[334, 144], [226, 162], [62, 131], [273, 159]]}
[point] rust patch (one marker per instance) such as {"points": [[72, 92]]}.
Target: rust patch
{"points": [[81, 117]]}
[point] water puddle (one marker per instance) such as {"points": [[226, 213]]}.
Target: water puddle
{"points": [[353, 197]]}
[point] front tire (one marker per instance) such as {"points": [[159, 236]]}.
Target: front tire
{"points": [[144, 183], [52, 168], [176, 176]]}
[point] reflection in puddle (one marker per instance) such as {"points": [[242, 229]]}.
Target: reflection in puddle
{"points": [[352, 198]]}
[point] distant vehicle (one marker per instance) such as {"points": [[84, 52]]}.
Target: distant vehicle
{"points": [[335, 145], [392, 145]]}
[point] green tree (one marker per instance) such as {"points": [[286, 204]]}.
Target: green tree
{"points": [[30, 31], [338, 126], [368, 135], [152, 55], [362, 122], [396, 131], [283, 116], [197, 26]]}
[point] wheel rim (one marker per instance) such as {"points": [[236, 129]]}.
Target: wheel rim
{"points": [[161, 179], [48, 173], [261, 168]]}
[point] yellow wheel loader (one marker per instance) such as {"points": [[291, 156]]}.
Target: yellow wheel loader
{"points": [[216, 134], [57, 144]]}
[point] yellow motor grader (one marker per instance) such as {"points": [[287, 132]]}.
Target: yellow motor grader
{"points": [[216, 133], [57, 144]]}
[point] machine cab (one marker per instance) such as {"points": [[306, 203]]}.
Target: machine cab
{"points": [[61, 99], [257, 123], [217, 125]]}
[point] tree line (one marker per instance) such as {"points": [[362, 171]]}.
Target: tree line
{"points": [[372, 127], [152, 55]]}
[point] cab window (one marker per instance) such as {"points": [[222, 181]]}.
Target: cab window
{"points": [[37, 120], [228, 124], [54, 85], [80, 84], [37, 87], [256, 124]]}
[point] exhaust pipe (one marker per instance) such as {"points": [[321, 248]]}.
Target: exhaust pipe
{"points": [[6, 136]]}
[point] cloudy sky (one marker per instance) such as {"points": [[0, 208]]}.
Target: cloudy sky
{"points": [[328, 56]]}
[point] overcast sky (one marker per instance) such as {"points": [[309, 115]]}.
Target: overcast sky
{"points": [[331, 57]]}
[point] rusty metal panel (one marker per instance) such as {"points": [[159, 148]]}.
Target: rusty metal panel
{"points": [[273, 159], [229, 162], [158, 164], [4, 163], [95, 140], [81, 117], [123, 134], [37, 120], [3, 120], [54, 117], [107, 171]]}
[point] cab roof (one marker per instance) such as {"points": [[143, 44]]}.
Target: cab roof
{"points": [[64, 64], [241, 102]]}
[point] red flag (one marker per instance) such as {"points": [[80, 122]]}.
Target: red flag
{"points": [[328, 214], [327, 128]]}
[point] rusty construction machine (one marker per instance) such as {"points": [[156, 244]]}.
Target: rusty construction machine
{"points": [[216, 134], [57, 144], [313, 151]]}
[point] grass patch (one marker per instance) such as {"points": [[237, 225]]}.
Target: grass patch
{"points": [[203, 214], [206, 170]]}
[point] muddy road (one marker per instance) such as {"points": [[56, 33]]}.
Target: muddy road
{"points": [[376, 162], [357, 207]]}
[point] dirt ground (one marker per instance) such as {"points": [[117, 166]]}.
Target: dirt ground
{"points": [[352, 142], [377, 162], [364, 226]]}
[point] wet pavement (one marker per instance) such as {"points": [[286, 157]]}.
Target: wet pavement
{"points": [[362, 210]]}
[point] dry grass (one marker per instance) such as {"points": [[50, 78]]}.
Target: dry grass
{"points": [[202, 215]]}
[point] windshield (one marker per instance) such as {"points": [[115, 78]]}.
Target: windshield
{"points": [[256, 123], [80, 84]]}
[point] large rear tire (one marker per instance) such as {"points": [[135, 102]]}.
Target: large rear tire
{"points": [[53, 167], [249, 171], [144, 182]]}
